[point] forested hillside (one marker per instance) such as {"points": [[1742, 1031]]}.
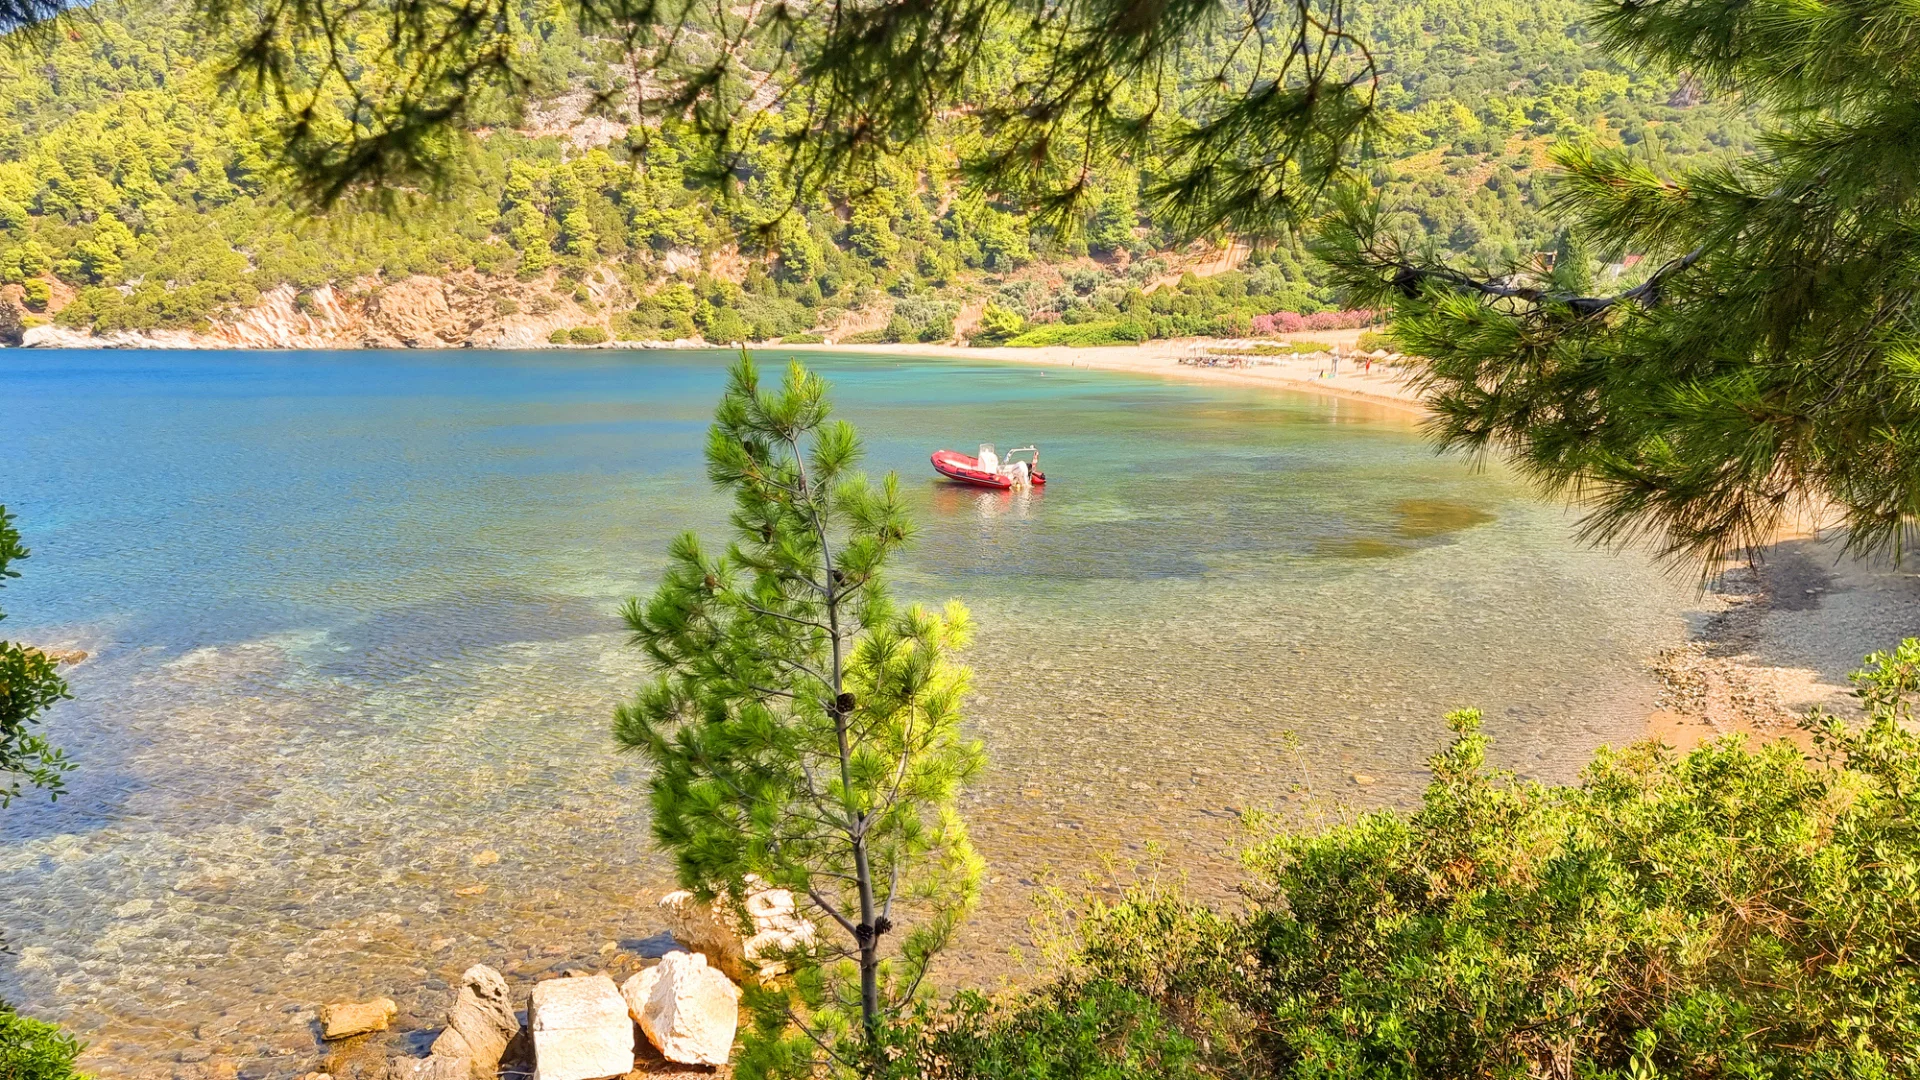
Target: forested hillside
{"points": [[134, 195]]}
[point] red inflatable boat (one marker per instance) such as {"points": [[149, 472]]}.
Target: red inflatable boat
{"points": [[988, 471]]}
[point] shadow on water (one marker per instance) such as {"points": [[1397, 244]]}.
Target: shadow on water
{"points": [[1422, 518], [402, 641], [1414, 520]]}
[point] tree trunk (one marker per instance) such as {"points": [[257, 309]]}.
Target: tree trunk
{"points": [[869, 956]]}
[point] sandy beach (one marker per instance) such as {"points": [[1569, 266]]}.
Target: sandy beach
{"points": [[1382, 384]]}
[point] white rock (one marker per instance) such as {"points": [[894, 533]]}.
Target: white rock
{"points": [[480, 1024], [688, 1010], [581, 1030], [752, 949]]}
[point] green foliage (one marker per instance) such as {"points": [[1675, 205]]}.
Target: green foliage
{"points": [[804, 730], [1732, 911], [587, 335], [28, 687], [1759, 370], [997, 326], [1091, 1031], [129, 171], [723, 326], [1118, 332], [33, 1050], [920, 319]]}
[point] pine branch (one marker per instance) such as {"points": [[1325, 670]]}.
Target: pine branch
{"points": [[1409, 278]]}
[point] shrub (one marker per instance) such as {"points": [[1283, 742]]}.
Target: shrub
{"points": [[506, 305], [1372, 340], [1097, 1030], [997, 326], [560, 336], [1112, 332], [802, 339], [34, 1050], [587, 335], [38, 294], [868, 337], [1735, 911], [724, 325], [1287, 322]]}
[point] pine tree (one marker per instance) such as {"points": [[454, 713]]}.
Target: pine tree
{"points": [[576, 239], [1771, 363], [28, 687], [804, 729]]}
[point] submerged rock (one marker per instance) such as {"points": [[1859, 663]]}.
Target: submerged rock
{"points": [[581, 1030], [345, 1019], [436, 1067], [687, 1010], [480, 1024], [754, 948]]}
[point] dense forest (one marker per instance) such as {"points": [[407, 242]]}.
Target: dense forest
{"points": [[136, 194]]}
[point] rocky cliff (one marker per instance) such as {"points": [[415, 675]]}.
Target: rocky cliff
{"points": [[464, 311]]}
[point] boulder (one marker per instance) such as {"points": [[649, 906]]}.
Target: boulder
{"points": [[581, 1030], [345, 1019], [480, 1024], [740, 950], [687, 1009]]}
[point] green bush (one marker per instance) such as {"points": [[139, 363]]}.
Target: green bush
{"points": [[802, 339], [1115, 332], [587, 335], [1272, 348], [1735, 911], [560, 336], [723, 326], [38, 294], [1097, 1030], [868, 337], [1373, 339], [997, 326], [35, 1050]]}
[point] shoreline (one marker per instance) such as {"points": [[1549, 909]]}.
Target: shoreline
{"points": [[1382, 385]]}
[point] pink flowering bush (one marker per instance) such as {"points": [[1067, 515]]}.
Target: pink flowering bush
{"points": [[1289, 322]]}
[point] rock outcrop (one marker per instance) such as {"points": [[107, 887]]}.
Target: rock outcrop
{"points": [[345, 1019], [754, 947], [417, 312], [580, 1028], [480, 1024], [688, 1010]]}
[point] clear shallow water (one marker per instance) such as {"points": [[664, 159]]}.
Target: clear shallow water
{"points": [[352, 625]]}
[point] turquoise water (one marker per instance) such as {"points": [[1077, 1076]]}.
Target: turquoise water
{"points": [[351, 619]]}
